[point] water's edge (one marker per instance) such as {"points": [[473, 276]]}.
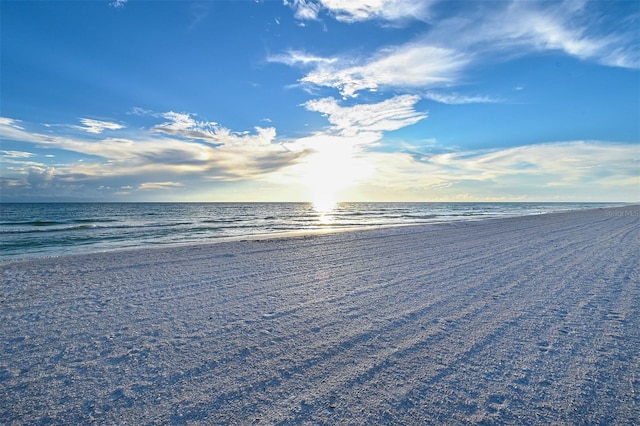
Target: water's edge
{"points": [[53, 229]]}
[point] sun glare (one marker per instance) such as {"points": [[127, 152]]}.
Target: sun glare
{"points": [[324, 203], [330, 171]]}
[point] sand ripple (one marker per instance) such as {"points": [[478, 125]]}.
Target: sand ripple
{"points": [[531, 320]]}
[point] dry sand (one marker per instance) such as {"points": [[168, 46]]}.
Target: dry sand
{"points": [[532, 320]]}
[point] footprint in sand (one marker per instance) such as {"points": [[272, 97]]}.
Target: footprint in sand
{"points": [[496, 402], [544, 346]]}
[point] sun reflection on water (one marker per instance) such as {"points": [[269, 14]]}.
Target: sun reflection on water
{"points": [[325, 207]]}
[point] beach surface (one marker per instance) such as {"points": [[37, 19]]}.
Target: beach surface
{"points": [[527, 320]]}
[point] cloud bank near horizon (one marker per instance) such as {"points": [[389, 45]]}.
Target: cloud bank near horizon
{"points": [[184, 152]]}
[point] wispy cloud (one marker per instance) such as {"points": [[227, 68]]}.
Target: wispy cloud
{"points": [[458, 99], [118, 3], [568, 162], [346, 153], [576, 28], [184, 144], [159, 185], [580, 170], [387, 10], [16, 154], [299, 58], [336, 157], [97, 126], [304, 9], [6, 121], [412, 65], [361, 10], [180, 147], [388, 115], [199, 11], [180, 123], [183, 125], [484, 32]]}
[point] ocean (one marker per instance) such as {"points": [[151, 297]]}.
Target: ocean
{"points": [[54, 229]]}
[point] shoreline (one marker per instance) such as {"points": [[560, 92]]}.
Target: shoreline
{"points": [[528, 319], [623, 210]]}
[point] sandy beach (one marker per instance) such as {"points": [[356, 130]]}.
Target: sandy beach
{"points": [[529, 320]]}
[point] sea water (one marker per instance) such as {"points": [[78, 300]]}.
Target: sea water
{"points": [[52, 229]]}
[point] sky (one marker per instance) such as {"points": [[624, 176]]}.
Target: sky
{"points": [[320, 100]]}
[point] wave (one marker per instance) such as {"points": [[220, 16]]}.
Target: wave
{"points": [[220, 221], [47, 230], [92, 220], [33, 223], [87, 226], [44, 223], [420, 216]]}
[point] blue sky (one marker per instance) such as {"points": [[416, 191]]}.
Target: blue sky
{"points": [[325, 100]]}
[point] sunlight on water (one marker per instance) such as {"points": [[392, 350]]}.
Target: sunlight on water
{"points": [[324, 204], [54, 229], [325, 207]]}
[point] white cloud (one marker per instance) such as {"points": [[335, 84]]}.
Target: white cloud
{"points": [[458, 99], [587, 170], [409, 66], [388, 115], [185, 148], [184, 126], [141, 111], [304, 9], [388, 10], [345, 157], [40, 177], [361, 10], [299, 58], [575, 28], [336, 158], [570, 162], [581, 165], [552, 28], [578, 170], [16, 154], [97, 126], [178, 122], [5, 121], [118, 3], [157, 185], [440, 57]]}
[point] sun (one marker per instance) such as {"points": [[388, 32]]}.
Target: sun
{"points": [[333, 168], [329, 169], [324, 202]]}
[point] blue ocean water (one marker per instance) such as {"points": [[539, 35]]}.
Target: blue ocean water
{"points": [[52, 229]]}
